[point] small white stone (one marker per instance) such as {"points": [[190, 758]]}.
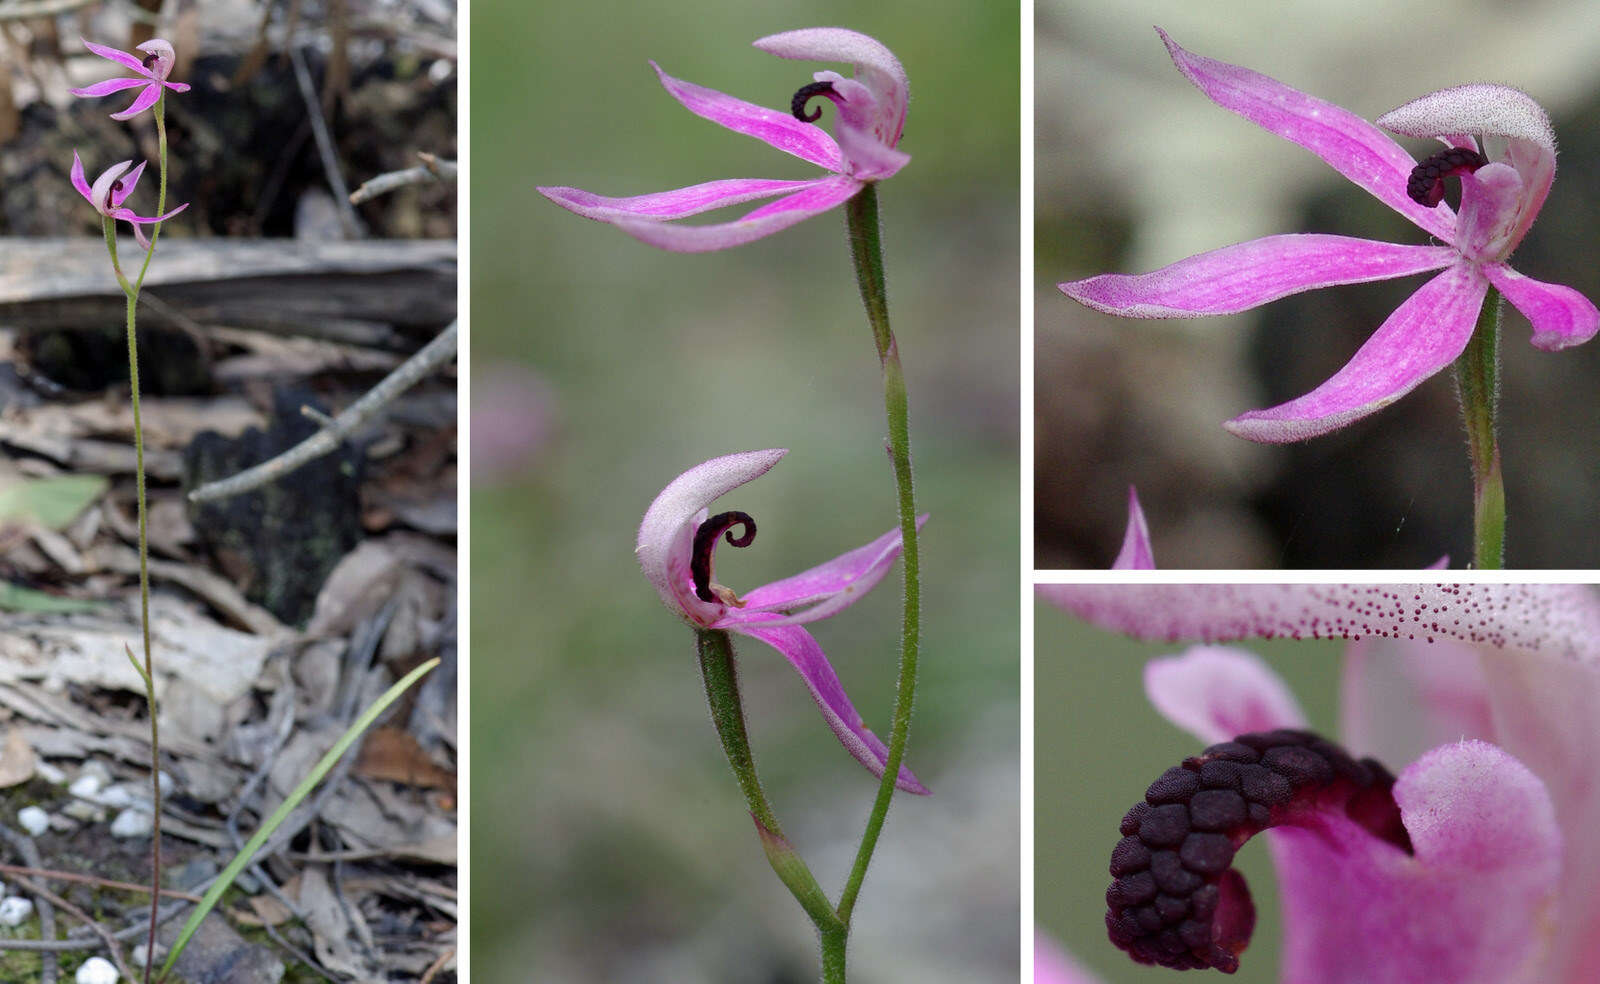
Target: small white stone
{"points": [[34, 820], [138, 954], [83, 810], [14, 910], [166, 781], [49, 773], [131, 823], [91, 779], [96, 970]]}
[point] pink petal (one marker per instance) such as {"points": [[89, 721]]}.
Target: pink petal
{"points": [[1136, 554], [100, 192], [130, 181], [78, 180], [667, 531], [177, 86], [1052, 964], [671, 204], [876, 66], [1352, 146], [771, 126], [803, 653], [1217, 693], [1490, 198], [762, 222], [829, 588], [1551, 623], [1400, 698], [1560, 315], [109, 86], [1237, 278], [1471, 906], [133, 62], [126, 215], [146, 99], [1422, 336]]}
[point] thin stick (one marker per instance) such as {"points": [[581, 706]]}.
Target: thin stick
{"points": [[431, 169], [319, 130], [50, 874], [436, 353], [83, 917]]}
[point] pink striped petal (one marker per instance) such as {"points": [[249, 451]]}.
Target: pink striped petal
{"points": [[100, 191], [146, 99], [803, 653], [671, 204], [1237, 278], [130, 181], [773, 127], [1422, 336], [1490, 198], [1560, 315], [126, 215], [109, 86], [829, 588], [1217, 693], [1136, 554], [764, 221], [79, 181], [1352, 146], [177, 86], [123, 58]]}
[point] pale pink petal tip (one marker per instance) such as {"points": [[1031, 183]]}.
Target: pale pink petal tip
{"points": [[1136, 553], [835, 44], [1479, 108], [1216, 693], [1052, 964]]}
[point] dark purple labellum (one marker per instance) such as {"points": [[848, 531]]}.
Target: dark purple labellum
{"points": [[149, 61], [1426, 184], [705, 541], [1176, 899], [797, 105]]}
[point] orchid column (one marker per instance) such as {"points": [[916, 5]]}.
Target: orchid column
{"points": [[871, 109]]}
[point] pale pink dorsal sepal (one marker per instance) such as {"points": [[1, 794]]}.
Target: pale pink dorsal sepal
{"points": [[876, 67], [1421, 337], [1349, 144]]}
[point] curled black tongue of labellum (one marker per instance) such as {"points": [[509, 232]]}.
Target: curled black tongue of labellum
{"points": [[1425, 185], [1176, 900]]}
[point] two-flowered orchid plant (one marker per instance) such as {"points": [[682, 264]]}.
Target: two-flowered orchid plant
{"points": [[677, 539], [1474, 863], [107, 196], [1500, 145]]}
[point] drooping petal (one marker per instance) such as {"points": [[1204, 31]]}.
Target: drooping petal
{"points": [[123, 58], [1217, 693], [1237, 278], [773, 127], [127, 215], [177, 86], [1470, 905], [129, 182], [674, 204], [109, 86], [828, 588], [1136, 554], [1349, 144], [876, 67], [145, 100], [803, 653], [667, 532], [1494, 111], [1422, 336], [1560, 315], [764, 221], [1052, 964], [79, 181]]}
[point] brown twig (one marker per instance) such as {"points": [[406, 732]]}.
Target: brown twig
{"points": [[330, 160], [431, 169], [50, 874], [83, 917], [437, 965]]}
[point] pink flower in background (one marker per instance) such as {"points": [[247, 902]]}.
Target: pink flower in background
{"points": [[1486, 698], [677, 543], [871, 113], [153, 70], [515, 416], [1504, 182], [111, 189]]}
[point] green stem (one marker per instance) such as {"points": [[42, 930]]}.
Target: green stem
{"points": [[1478, 385], [833, 953], [861, 216], [720, 670]]}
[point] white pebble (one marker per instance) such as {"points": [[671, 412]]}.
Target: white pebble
{"points": [[131, 823], [96, 970], [118, 797], [34, 820], [138, 954], [14, 910], [49, 773]]}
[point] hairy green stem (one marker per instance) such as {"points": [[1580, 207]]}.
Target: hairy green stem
{"points": [[861, 216], [1477, 374]]}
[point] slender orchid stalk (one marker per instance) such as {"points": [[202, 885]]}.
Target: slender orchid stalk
{"points": [[107, 195]]}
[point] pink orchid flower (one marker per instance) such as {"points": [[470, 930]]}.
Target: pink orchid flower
{"points": [[153, 70], [677, 545], [1476, 864], [872, 112], [1503, 187], [111, 189]]}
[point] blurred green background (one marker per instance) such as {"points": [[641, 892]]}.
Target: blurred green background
{"points": [[609, 841], [1098, 743]]}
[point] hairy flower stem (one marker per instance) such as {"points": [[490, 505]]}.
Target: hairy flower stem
{"points": [[720, 671], [861, 216], [1478, 386]]}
